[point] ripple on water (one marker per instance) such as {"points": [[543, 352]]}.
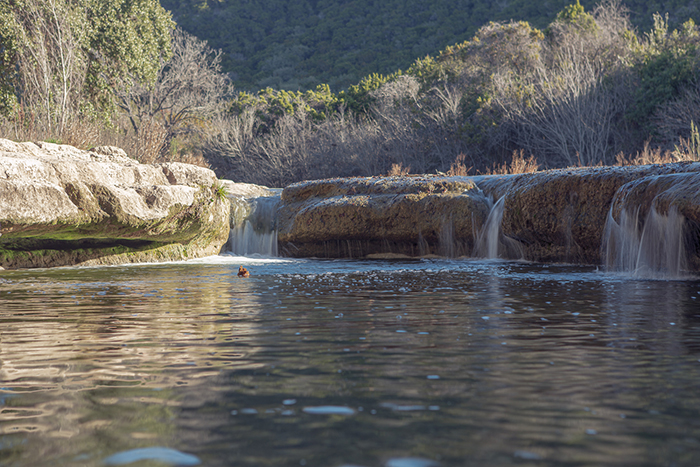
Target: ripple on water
{"points": [[329, 410], [159, 454], [166, 353]]}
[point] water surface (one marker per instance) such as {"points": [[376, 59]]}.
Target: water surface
{"points": [[339, 363]]}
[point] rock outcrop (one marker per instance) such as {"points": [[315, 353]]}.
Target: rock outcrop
{"points": [[560, 215], [550, 216], [64, 206], [414, 216]]}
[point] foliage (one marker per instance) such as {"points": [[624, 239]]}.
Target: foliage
{"points": [[296, 45], [576, 16], [189, 89], [561, 95], [127, 42], [220, 192], [59, 58], [579, 90], [9, 44], [669, 62], [358, 97]]}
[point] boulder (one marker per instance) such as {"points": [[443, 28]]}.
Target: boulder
{"points": [[560, 215], [357, 217], [63, 206]]}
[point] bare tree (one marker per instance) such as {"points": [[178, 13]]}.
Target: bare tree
{"points": [[51, 71], [189, 91], [673, 119], [565, 110]]}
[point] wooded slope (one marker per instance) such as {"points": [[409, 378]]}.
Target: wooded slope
{"points": [[297, 44]]}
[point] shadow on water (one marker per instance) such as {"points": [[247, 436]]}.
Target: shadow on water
{"points": [[370, 363]]}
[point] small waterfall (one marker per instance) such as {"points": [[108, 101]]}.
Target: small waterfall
{"points": [[449, 246], [487, 241], [253, 226], [490, 242], [654, 248]]}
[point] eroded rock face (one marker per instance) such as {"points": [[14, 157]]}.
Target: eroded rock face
{"points": [[560, 215], [550, 216], [367, 216], [60, 206], [662, 206]]}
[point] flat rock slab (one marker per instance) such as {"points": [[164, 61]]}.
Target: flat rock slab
{"points": [[549, 216], [414, 216]]}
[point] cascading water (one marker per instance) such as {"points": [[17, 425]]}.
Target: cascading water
{"points": [[253, 226], [487, 241], [490, 242], [449, 246], [654, 248]]}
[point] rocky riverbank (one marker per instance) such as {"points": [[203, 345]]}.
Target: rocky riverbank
{"points": [[63, 206], [572, 215]]}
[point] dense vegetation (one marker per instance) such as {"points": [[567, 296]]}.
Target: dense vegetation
{"points": [[91, 72], [584, 90], [295, 45]]}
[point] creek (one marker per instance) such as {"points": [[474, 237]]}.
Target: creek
{"points": [[392, 363]]}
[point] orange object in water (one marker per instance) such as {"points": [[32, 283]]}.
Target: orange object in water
{"points": [[243, 272]]}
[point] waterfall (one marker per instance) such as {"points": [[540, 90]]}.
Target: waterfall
{"points": [[253, 226], [654, 248], [487, 241], [449, 245], [490, 243]]}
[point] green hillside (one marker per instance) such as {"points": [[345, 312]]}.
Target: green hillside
{"points": [[298, 44]]}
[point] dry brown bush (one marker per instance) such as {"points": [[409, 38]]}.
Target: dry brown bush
{"points": [[647, 156], [458, 167], [689, 149], [518, 165], [82, 135], [398, 170]]}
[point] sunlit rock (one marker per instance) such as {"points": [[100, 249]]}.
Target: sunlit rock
{"points": [[62, 206]]}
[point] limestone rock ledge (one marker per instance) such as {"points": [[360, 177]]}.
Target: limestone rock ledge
{"points": [[560, 215], [358, 217], [63, 206], [550, 216]]}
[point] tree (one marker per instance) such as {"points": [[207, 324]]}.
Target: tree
{"points": [[59, 58], [51, 71], [566, 108], [127, 42], [668, 66], [189, 89], [9, 44]]}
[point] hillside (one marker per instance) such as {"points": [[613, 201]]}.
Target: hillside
{"points": [[587, 88], [299, 44]]}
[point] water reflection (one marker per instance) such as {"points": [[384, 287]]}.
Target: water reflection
{"points": [[340, 363]]}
